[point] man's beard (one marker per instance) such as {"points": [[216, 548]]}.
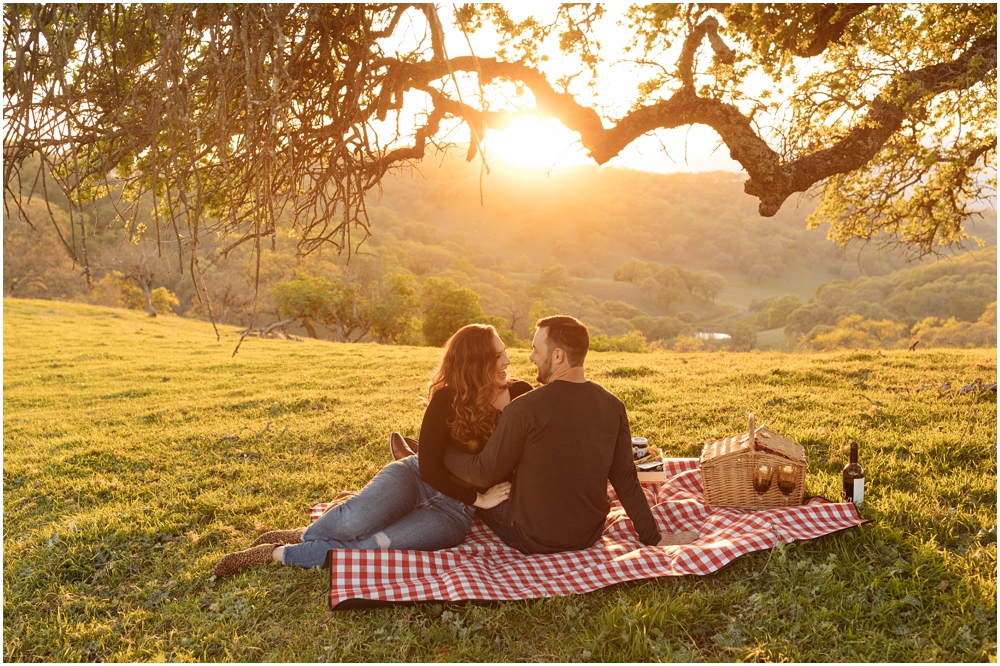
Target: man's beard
{"points": [[545, 370]]}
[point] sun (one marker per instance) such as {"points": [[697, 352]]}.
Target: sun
{"points": [[530, 143]]}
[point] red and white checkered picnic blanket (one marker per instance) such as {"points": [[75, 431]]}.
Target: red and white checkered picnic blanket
{"points": [[483, 568]]}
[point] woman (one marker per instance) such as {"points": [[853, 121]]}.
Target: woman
{"points": [[413, 503]]}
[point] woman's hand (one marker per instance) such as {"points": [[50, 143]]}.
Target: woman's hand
{"points": [[493, 496]]}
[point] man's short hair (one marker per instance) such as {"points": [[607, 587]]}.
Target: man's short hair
{"points": [[569, 334]]}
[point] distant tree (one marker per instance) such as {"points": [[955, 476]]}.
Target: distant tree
{"points": [[709, 285], [349, 314], [688, 343], [649, 287], [759, 271], [392, 308], [634, 270], [465, 265], [424, 259], [660, 328], [555, 276], [670, 277], [306, 299], [539, 292], [450, 313], [742, 336], [434, 289], [633, 342], [384, 309], [804, 319], [517, 304], [668, 296], [620, 309], [875, 311], [231, 295], [33, 266], [142, 265], [935, 332], [520, 264], [539, 311], [856, 332], [772, 312], [162, 299]]}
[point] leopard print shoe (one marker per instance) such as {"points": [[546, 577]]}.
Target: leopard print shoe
{"points": [[236, 562], [281, 537]]}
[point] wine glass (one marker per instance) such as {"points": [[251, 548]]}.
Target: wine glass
{"points": [[787, 477], [762, 481]]}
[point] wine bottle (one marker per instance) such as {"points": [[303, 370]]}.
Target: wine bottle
{"points": [[854, 479]]}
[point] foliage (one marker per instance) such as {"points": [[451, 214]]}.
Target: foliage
{"points": [[236, 118], [555, 276], [115, 290], [508, 287], [667, 282], [933, 332], [963, 288], [688, 343], [699, 222], [451, 312], [773, 311], [350, 310], [857, 332], [33, 267], [137, 452], [660, 328], [393, 310], [742, 336], [312, 299], [634, 342]]}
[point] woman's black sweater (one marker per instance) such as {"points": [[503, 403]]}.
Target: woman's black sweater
{"points": [[436, 439]]}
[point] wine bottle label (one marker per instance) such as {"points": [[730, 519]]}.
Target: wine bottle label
{"points": [[859, 491]]}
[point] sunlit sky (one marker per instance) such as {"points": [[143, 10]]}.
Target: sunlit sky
{"points": [[531, 143]]}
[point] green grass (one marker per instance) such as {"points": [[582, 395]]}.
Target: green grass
{"points": [[138, 451]]}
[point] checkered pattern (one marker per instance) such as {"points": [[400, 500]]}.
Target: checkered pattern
{"points": [[483, 568]]}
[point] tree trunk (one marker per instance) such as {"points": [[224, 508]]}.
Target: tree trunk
{"points": [[309, 327], [147, 295]]}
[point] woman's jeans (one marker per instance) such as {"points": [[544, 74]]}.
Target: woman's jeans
{"points": [[395, 510]]}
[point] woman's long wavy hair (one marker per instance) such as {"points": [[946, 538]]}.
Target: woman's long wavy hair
{"points": [[469, 368]]}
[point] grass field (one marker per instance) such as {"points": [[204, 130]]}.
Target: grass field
{"points": [[138, 451]]}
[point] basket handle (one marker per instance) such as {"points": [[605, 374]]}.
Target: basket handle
{"points": [[752, 431]]}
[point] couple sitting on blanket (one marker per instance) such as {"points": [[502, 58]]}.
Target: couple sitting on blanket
{"points": [[537, 474]]}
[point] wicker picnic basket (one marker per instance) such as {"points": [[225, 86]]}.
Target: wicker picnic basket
{"points": [[727, 468]]}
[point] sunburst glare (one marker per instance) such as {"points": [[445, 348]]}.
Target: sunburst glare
{"points": [[530, 143]]}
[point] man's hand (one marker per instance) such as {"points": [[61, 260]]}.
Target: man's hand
{"points": [[493, 496], [676, 538]]}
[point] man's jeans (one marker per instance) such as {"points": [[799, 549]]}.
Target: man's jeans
{"points": [[499, 520], [395, 510]]}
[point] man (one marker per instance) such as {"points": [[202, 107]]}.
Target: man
{"points": [[564, 442]]}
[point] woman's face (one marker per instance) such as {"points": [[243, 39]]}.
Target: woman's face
{"points": [[502, 361]]}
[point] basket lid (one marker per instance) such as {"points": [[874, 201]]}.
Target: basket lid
{"points": [[764, 439], [788, 448], [727, 446]]}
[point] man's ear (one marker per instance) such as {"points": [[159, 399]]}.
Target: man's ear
{"points": [[558, 355]]}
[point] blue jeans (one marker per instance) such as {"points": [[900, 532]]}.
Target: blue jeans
{"points": [[395, 510]]}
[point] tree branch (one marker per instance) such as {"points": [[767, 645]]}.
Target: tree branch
{"points": [[770, 181], [829, 23]]}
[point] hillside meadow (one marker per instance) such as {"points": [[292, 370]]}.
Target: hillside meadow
{"points": [[138, 451]]}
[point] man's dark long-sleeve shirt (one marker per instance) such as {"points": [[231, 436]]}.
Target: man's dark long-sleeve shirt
{"points": [[564, 442]]}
